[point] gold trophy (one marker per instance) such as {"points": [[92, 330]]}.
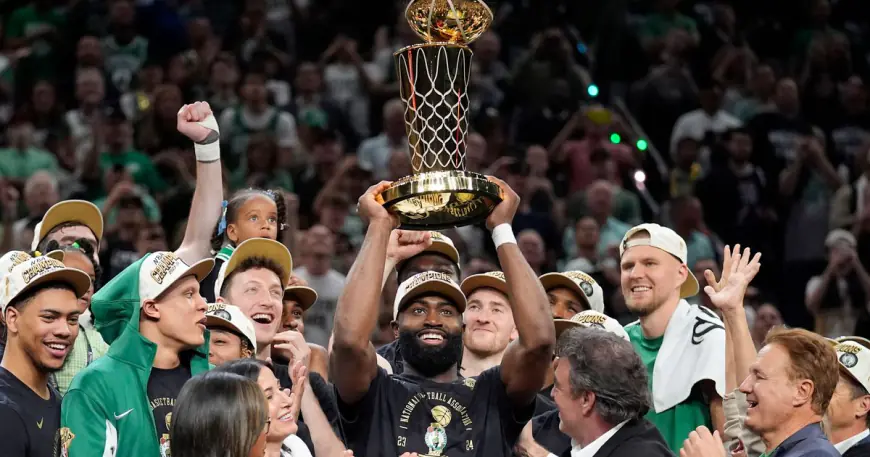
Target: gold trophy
{"points": [[433, 81]]}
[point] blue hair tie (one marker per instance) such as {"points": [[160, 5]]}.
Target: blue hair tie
{"points": [[222, 225]]}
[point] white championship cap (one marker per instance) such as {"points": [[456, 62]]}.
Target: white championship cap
{"points": [[591, 319], [667, 240], [230, 317], [428, 282], [160, 270], [581, 283], [21, 272], [855, 360]]}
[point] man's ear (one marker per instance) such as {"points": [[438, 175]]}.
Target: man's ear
{"points": [[151, 309], [10, 317], [221, 300], [394, 324]]}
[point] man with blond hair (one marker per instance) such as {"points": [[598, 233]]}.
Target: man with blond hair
{"points": [[671, 335]]}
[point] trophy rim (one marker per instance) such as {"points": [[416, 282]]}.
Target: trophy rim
{"points": [[434, 44], [447, 181]]}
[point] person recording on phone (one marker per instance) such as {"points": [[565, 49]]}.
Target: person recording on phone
{"points": [[837, 297]]}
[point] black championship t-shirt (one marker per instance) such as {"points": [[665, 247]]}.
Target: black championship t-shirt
{"points": [[545, 430], [28, 423], [468, 417], [163, 388]]}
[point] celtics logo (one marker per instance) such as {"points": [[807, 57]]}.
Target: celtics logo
{"points": [[848, 360], [436, 436], [586, 288]]}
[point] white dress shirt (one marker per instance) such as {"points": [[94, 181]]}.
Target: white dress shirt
{"points": [[593, 447], [847, 444]]}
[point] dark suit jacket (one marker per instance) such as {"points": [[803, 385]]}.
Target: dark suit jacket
{"points": [[861, 449], [636, 438]]}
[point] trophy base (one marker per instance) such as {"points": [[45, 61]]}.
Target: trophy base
{"points": [[438, 200]]}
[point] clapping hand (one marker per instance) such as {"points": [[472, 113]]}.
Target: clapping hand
{"points": [[702, 443], [738, 270]]}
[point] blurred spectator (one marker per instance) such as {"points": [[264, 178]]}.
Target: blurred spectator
{"points": [[223, 78], [260, 167], [317, 252], [119, 152], [22, 158], [704, 124], [545, 73], [90, 92], [40, 193], [849, 129], [123, 49], [806, 187], [156, 131], [256, 115], [532, 246], [119, 246], [762, 83], [687, 171], [739, 199], [626, 204], [596, 123], [374, 153], [600, 198], [312, 109], [37, 27], [348, 81], [688, 219], [776, 134], [46, 114], [839, 297], [766, 318], [603, 268], [666, 23]]}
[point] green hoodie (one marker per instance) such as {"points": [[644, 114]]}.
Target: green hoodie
{"points": [[106, 411]]}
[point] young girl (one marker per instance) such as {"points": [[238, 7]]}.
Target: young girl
{"points": [[249, 213], [89, 345]]}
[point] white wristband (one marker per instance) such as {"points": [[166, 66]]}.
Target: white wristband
{"points": [[211, 151], [502, 234], [207, 152]]}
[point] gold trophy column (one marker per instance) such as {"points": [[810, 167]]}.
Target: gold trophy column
{"points": [[433, 81]]}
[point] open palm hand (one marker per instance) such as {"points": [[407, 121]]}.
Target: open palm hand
{"points": [[738, 270]]}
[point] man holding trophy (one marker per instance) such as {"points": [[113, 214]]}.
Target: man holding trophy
{"points": [[430, 409]]}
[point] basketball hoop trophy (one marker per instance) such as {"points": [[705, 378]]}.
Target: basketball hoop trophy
{"points": [[433, 82]]}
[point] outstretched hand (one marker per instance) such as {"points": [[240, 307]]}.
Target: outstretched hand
{"points": [[738, 270]]}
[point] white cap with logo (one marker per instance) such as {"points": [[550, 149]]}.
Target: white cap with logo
{"points": [[591, 319], [855, 360], [433, 282], [667, 240], [581, 283], [21, 272], [222, 315], [160, 270]]}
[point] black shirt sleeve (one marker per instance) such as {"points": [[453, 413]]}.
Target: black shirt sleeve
{"points": [[206, 286], [513, 417], [355, 419], [13, 433]]}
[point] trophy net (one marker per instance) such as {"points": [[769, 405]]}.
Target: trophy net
{"points": [[433, 84]]}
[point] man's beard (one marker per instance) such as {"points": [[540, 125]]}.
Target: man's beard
{"points": [[427, 360]]}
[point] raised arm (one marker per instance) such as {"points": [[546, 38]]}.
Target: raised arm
{"points": [[526, 360], [197, 122], [352, 362]]}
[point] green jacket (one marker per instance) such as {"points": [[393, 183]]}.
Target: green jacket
{"points": [[106, 411]]}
